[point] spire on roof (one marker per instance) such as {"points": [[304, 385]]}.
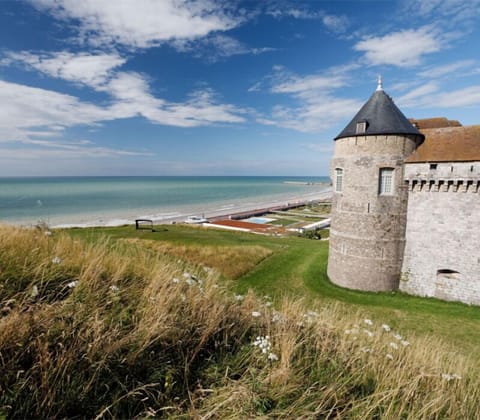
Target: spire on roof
{"points": [[379, 82]]}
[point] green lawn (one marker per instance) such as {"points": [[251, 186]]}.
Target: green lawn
{"points": [[297, 267]]}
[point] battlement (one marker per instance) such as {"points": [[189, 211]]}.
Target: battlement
{"points": [[443, 185]]}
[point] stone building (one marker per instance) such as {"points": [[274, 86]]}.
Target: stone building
{"points": [[406, 204]]}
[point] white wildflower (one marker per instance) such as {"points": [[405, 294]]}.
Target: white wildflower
{"points": [[183, 297], [114, 288], [34, 292], [256, 314], [448, 377], [398, 337], [389, 356], [239, 298], [263, 343], [386, 327], [56, 260], [272, 356], [72, 284], [268, 304], [394, 345], [187, 275], [175, 280], [368, 321], [366, 350], [369, 333], [276, 317], [455, 376], [47, 233], [348, 332], [405, 343], [190, 282]]}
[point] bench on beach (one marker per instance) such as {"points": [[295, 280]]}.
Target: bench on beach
{"points": [[139, 223]]}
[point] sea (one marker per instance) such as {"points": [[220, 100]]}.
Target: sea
{"points": [[110, 201]]}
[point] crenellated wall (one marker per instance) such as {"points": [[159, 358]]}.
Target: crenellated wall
{"points": [[442, 251]]}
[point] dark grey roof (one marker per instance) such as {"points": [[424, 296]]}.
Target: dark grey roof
{"points": [[382, 117]]}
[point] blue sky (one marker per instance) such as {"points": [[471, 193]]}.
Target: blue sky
{"points": [[207, 87]]}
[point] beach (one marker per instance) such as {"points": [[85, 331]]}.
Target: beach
{"points": [[115, 201]]}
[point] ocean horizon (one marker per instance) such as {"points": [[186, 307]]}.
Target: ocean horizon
{"points": [[113, 200]]}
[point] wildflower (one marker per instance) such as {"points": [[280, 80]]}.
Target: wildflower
{"points": [[272, 356], [394, 345], [348, 332], [389, 356], [34, 292], [47, 233], [386, 327], [369, 333], [405, 343], [175, 280], [72, 284], [263, 343], [366, 350], [398, 337], [56, 260], [190, 282], [114, 289], [450, 377], [312, 314], [368, 321], [256, 314], [239, 298], [187, 275], [268, 304], [276, 317], [183, 297]]}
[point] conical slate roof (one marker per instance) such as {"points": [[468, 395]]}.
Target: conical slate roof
{"points": [[382, 117]]}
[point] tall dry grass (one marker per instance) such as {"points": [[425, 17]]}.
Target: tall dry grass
{"points": [[107, 330]]}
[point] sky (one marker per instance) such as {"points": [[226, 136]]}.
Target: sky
{"points": [[212, 87]]}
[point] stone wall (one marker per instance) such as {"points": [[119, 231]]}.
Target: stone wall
{"points": [[367, 232], [442, 252]]}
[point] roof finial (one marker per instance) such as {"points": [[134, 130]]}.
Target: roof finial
{"points": [[379, 82]]}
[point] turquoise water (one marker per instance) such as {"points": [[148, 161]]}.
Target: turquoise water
{"points": [[88, 199]]}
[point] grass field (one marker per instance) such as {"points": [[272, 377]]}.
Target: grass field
{"points": [[297, 267], [118, 323]]}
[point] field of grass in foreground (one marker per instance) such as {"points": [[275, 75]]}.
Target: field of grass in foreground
{"points": [[296, 267], [108, 328]]}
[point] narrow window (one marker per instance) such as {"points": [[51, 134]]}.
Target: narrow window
{"points": [[338, 179], [385, 185], [361, 127], [433, 166]]}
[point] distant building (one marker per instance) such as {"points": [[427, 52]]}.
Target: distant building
{"points": [[406, 204]]}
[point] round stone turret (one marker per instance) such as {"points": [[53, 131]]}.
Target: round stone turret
{"points": [[367, 234]]}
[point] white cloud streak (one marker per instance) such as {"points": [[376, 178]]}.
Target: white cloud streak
{"points": [[429, 96], [403, 49], [83, 68], [141, 23]]}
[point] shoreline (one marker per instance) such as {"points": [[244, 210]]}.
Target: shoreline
{"points": [[215, 211]]}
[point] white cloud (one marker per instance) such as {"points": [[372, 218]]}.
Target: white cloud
{"points": [[318, 108], [403, 49], [142, 23], [429, 96], [217, 47], [27, 113], [447, 69], [334, 23], [89, 69], [456, 9]]}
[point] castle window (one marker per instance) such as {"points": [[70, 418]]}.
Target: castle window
{"points": [[361, 127], [433, 166], [385, 181], [338, 179]]}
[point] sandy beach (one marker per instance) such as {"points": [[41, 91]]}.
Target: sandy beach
{"points": [[167, 216]]}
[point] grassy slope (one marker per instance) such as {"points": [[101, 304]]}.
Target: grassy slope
{"points": [[298, 267]]}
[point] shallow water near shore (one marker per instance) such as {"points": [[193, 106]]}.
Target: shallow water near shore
{"points": [[108, 201]]}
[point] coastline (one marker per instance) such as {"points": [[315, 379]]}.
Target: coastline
{"points": [[214, 210]]}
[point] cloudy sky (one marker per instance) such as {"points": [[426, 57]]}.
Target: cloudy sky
{"points": [[211, 87]]}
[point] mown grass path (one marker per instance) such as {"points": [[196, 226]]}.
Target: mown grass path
{"points": [[297, 267]]}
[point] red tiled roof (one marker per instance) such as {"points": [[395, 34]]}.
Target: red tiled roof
{"points": [[437, 122], [448, 144]]}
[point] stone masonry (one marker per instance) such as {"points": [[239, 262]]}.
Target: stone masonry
{"points": [[442, 252]]}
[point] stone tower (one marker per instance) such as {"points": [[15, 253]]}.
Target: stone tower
{"points": [[367, 234]]}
